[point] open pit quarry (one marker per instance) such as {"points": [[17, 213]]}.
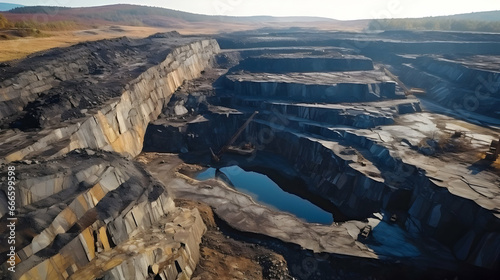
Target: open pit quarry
{"points": [[128, 164]]}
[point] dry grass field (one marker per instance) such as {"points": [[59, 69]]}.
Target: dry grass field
{"points": [[19, 48]]}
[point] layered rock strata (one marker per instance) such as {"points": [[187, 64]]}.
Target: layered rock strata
{"points": [[468, 85], [87, 213], [328, 87], [103, 218], [371, 44], [122, 103], [369, 175], [424, 169], [314, 61]]}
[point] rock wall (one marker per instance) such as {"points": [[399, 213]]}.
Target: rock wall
{"points": [[88, 213], [349, 115], [466, 226], [163, 136], [415, 42], [360, 181], [305, 63], [329, 174], [470, 231], [456, 86], [106, 218], [360, 189], [213, 131], [341, 92], [120, 124]]}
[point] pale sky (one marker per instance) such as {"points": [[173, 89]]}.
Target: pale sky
{"points": [[337, 9]]}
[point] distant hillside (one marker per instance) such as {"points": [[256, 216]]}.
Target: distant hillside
{"points": [[478, 16], [477, 22], [124, 13], [63, 18], [8, 6]]}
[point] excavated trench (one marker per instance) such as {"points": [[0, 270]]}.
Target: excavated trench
{"points": [[326, 131]]}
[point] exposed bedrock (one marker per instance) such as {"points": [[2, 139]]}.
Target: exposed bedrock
{"points": [[450, 204], [410, 42], [105, 217], [299, 62], [112, 110], [457, 69], [347, 131], [358, 188], [76, 117], [377, 154], [164, 136], [333, 87], [466, 84], [360, 180], [190, 135]]}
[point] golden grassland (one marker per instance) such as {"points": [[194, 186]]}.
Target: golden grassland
{"points": [[22, 47]]}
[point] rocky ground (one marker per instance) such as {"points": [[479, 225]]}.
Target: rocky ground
{"points": [[223, 257]]}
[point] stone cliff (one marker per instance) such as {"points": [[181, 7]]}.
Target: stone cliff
{"points": [[74, 116], [104, 102], [105, 217]]}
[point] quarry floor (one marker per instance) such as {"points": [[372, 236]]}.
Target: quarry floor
{"points": [[293, 243], [243, 243], [222, 256]]}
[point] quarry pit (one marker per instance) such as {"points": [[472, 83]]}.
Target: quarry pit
{"points": [[110, 137]]}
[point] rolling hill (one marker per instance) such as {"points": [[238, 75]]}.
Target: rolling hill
{"points": [[8, 6], [475, 22], [134, 15], [478, 16], [127, 13]]}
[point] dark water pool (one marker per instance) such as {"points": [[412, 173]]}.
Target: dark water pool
{"points": [[267, 192]]}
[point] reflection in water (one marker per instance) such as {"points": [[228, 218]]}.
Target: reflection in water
{"points": [[267, 192]]}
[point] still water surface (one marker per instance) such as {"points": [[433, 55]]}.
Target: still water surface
{"points": [[265, 191]]}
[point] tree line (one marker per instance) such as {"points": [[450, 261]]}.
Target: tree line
{"points": [[442, 24]]}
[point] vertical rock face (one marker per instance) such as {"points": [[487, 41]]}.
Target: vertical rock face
{"points": [[310, 62], [89, 213], [328, 87], [105, 217], [468, 85], [114, 110], [435, 208]]}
